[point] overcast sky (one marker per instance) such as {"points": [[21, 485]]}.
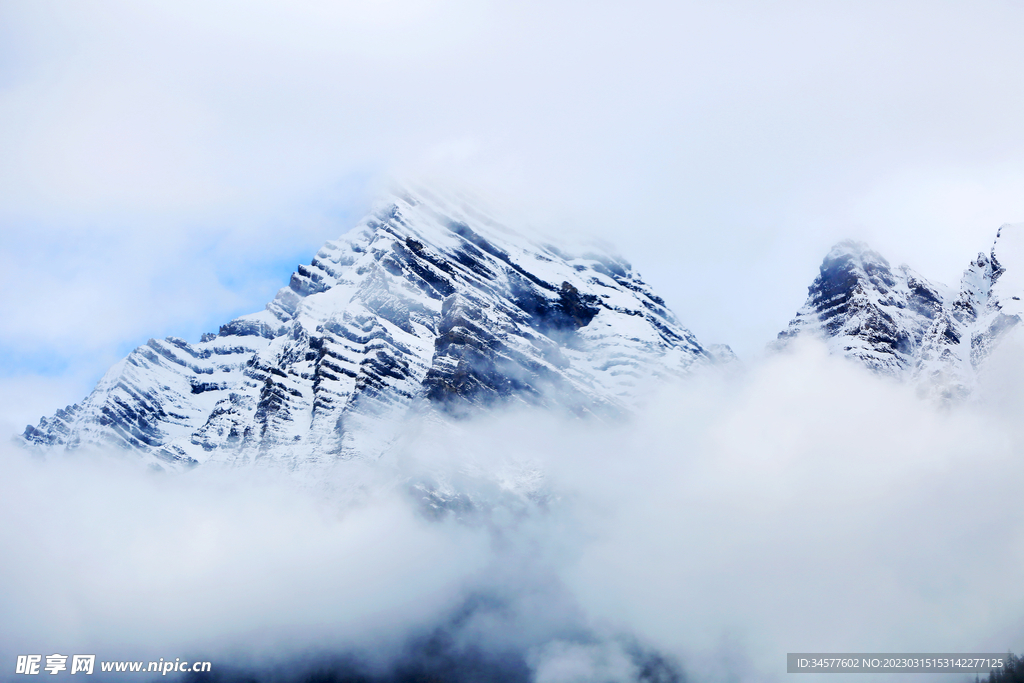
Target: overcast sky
{"points": [[164, 166]]}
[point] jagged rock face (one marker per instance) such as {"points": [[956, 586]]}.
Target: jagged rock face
{"points": [[869, 311], [428, 304], [897, 323]]}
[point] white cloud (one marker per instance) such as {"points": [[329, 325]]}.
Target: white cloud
{"points": [[803, 506]]}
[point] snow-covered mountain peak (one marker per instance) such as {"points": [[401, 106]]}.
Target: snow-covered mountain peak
{"points": [[856, 259], [898, 323], [866, 309], [430, 303]]}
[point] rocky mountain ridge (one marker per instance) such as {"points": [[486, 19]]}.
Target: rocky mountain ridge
{"points": [[429, 304], [433, 306], [900, 324]]}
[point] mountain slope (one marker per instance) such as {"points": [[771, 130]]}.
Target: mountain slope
{"points": [[430, 303], [898, 323]]}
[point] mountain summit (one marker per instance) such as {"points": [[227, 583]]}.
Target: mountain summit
{"points": [[429, 303], [897, 323]]}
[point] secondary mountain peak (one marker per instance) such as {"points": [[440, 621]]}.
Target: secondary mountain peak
{"points": [[898, 323]]}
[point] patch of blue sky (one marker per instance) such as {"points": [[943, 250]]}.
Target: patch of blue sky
{"points": [[17, 362], [248, 278]]}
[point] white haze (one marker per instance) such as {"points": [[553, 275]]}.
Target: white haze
{"points": [[800, 505]]}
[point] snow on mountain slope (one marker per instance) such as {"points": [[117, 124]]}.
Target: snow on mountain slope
{"points": [[430, 303], [897, 323]]}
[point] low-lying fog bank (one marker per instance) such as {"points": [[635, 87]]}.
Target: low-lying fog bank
{"points": [[800, 505]]}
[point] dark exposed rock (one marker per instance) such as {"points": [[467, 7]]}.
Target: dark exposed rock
{"points": [[244, 328]]}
